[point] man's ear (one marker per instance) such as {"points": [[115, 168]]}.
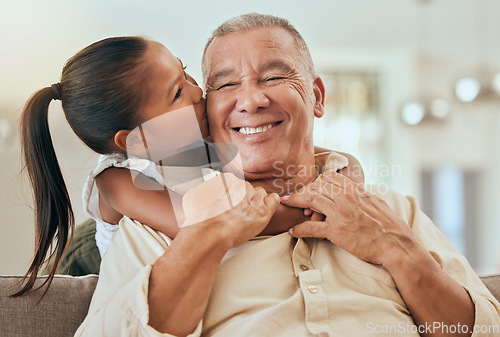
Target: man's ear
{"points": [[319, 94]]}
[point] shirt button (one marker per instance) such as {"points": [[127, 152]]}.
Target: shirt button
{"points": [[304, 267], [312, 289]]}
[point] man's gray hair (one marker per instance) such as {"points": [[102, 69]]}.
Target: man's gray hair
{"points": [[251, 21]]}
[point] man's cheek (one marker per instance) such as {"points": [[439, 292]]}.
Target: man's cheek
{"points": [[215, 108], [299, 86], [290, 87], [218, 132], [211, 116], [218, 120]]}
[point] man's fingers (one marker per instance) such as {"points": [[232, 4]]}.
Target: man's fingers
{"points": [[310, 229], [310, 199], [336, 178], [343, 182], [317, 217], [272, 202]]}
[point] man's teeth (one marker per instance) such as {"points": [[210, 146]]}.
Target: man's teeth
{"points": [[251, 131]]}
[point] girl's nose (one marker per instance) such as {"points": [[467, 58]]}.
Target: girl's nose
{"points": [[195, 92]]}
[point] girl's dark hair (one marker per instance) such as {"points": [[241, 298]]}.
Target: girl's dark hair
{"points": [[101, 90]]}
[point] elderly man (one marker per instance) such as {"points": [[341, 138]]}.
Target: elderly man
{"points": [[384, 267]]}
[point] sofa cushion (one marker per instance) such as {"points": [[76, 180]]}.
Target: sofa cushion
{"points": [[493, 284], [59, 313]]}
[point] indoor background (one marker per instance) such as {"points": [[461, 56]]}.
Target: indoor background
{"points": [[413, 91]]}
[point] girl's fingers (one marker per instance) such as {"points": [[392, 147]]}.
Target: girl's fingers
{"points": [[308, 211]]}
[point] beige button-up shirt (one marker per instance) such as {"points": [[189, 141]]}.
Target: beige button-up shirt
{"points": [[281, 286]]}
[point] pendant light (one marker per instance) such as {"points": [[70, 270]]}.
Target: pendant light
{"points": [[425, 106], [482, 84]]}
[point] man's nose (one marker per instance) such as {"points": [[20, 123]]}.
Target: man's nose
{"points": [[250, 98]]}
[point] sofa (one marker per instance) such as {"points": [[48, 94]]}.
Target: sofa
{"points": [[65, 305], [58, 313]]}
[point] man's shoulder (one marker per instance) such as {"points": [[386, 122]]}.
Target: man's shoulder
{"points": [[383, 191], [330, 161], [404, 206]]}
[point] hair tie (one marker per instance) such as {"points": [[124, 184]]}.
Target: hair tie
{"points": [[56, 89]]}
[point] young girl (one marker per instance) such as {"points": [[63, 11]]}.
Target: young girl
{"points": [[108, 92]]}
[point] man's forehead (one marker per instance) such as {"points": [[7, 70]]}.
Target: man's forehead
{"points": [[263, 36], [267, 47]]}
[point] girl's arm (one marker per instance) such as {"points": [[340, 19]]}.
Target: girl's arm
{"points": [[142, 200]]}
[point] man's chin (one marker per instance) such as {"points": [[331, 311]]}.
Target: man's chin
{"points": [[258, 167], [261, 161]]}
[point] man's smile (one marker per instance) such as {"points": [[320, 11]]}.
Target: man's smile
{"points": [[250, 130]]}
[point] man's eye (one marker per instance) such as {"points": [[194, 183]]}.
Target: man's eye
{"points": [[275, 78], [178, 94], [226, 85]]}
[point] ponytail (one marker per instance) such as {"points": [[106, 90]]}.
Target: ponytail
{"points": [[53, 213], [101, 91]]}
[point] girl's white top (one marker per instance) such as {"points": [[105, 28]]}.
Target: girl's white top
{"points": [[176, 178]]}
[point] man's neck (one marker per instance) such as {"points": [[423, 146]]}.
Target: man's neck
{"points": [[285, 181]]}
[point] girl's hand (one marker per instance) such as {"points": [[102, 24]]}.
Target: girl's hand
{"points": [[234, 205]]}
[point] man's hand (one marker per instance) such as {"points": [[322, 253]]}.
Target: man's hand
{"points": [[356, 220], [240, 210], [366, 227]]}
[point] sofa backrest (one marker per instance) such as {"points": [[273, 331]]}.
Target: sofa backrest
{"points": [[65, 306], [59, 313], [493, 284]]}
